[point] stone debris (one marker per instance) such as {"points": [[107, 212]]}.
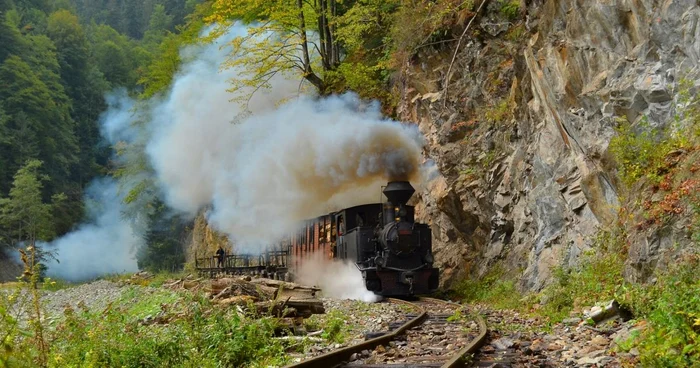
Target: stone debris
{"points": [[359, 319], [442, 335], [517, 341], [94, 296]]}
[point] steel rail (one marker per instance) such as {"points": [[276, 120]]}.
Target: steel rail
{"points": [[341, 356], [337, 357], [458, 360]]}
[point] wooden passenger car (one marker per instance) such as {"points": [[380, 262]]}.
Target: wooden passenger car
{"points": [[315, 236]]}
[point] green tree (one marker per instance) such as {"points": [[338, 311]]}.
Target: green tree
{"points": [[277, 41], [23, 215], [335, 46], [45, 111], [10, 37], [112, 61], [160, 20], [85, 86]]}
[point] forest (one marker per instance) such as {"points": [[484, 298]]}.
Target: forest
{"points": [[58, 60]]}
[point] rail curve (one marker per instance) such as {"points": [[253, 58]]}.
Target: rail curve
{"points": [[341, 357]]}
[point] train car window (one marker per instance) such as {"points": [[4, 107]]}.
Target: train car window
{"points": [[333, 230], [322, 228]]}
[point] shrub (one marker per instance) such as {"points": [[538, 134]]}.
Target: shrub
{"points": [[424, 22], [334, 328], [672, 309]]}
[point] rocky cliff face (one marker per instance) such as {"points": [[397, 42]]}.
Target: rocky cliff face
{"points": [[520, 132]]}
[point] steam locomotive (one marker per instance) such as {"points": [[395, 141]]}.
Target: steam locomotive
{"points": [[391, 250]]}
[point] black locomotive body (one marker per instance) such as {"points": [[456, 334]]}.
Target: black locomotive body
{"points": [[393, 252]]}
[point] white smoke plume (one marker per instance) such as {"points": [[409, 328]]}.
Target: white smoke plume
{"points": [[106, 245], [278, 166], [337, 279]]}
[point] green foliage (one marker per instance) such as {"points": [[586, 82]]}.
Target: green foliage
{"points": [[672, 308], [493, 289], [130, 332], [24, 214], [499, 112], [334, 328], [640, 152], [510, 8], [38, 109], [159, 73], [365, 80], [595, 279], [423, 22], [132, 17]]}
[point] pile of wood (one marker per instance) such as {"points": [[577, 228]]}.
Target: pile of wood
{"points": [[270, 297], [262, 296]]}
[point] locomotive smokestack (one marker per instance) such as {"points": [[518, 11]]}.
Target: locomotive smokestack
{"points": [[399, 192]]}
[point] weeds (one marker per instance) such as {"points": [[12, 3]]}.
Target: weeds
{"points": [[334, 328], [499, 112], [596, 279], [510, 9], [492, 289], [143, 328], [671, 307]]}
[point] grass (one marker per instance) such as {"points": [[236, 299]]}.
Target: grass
{"points": [[153, 280], [493, 289], [184, 330]]}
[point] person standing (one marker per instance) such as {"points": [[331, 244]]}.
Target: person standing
{"points": [[220, 254]]}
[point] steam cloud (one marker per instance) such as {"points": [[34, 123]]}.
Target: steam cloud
{"points": [[278, 166], [337, 279], [105, 245], [293, 157]]}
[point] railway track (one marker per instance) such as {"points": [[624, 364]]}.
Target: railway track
{"points": [[438, 334]]}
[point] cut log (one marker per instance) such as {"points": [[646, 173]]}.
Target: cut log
{"points": [[302, 308], [237, 300], [225, 288], [284, 284], [299, 338], [191, 284]]}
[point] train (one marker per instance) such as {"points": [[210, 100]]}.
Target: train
{"points": [[392, 251]]}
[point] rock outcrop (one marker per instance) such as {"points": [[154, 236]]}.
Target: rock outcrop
{"points": [[520, 132]]}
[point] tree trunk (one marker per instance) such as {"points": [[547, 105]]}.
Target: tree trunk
{"points": [[335, 57], [308, 72], [328, 36], [322, 36]]}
